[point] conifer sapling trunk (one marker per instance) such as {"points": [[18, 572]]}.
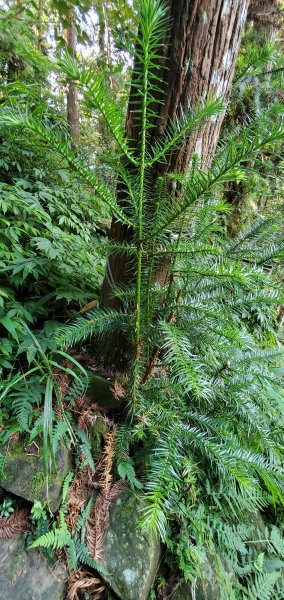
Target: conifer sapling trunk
{"points": [[199, 57]]}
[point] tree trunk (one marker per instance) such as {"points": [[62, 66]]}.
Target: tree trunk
{"points": [[104, 63], [73, 116], [267, 18], [267, 15], [40, 39], [200, 54]]}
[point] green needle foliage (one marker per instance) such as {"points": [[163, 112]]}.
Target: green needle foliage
{"points": [[205, 426]]}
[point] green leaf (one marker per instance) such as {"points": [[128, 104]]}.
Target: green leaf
{"points": [[48, 454], [126, 471], [9, 325], [259, 562]]}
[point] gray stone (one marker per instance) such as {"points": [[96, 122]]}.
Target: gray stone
{"points": [[24, 474], [99, 390], [129, 556], [26, 575], [255, 519], [96, 433], [207, 587], [183, 591], [203, 590]]}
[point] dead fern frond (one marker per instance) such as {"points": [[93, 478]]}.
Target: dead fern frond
{"points": [[88, 306], [83, 582], [107, 463], [14, 437], [86, 419], [63, 380], [97, 525], [12, 525], [58, 412], [79, 493], [116, 489], [85, 403], [98, 521], [118, 390], [89, 416], [82, 403]]}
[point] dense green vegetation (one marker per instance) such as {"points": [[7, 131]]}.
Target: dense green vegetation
{"points": [[200, 431]]}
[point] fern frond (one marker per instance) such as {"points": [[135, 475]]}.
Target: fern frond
{"points": [[227, 166], [98, 97], [17, 120], [162, 480], [72, 557], [60, 433], [56, 538], [81, 521], [96, 322], [23, 399], [65, 489], [179, 356], [185, 126], [86, 448], [84, 557], [76, 389], [276, 542], [263, 586]]}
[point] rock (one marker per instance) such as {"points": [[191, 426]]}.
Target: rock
{"points": [[99, 389], [26, 575], [183, 591], [207, 587], [204, 590], [96, 433], [129, 556], [24, 475], [255, 520]]}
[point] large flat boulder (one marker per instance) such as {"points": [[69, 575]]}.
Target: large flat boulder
{"points": [[25, 575], [129, 556], [24, 474]]}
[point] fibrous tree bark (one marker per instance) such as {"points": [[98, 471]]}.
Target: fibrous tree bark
{"points": [[103, 62], [267, 15], [104, 33], [40, 39], [73, 116], [199, 59], [267, 19]]}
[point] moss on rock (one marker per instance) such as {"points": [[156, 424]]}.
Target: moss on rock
{"points": [[38, 484], [24, 474], [129, 556]]}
